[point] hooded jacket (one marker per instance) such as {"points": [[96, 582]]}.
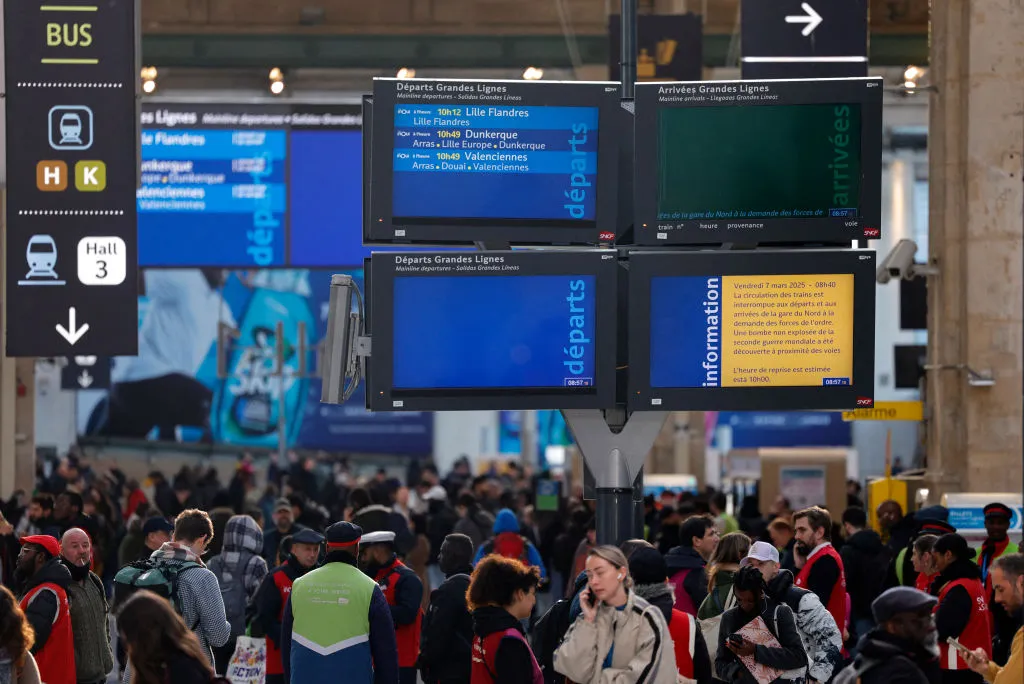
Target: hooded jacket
{"points": [[513, 661], [818, 632], [893, 661], [240, 555], [863, 555], [660, 596], [506, 523], [639, 641], [685, 559]]}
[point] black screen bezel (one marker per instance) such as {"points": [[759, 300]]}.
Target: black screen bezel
{"points": [[646, 265], [867, 92], [381, 394], [380, 227]]}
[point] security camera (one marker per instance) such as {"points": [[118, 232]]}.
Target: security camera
{"points": [[899, 263]]}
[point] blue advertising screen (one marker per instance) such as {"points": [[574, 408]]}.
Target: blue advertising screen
{"points": [[252, 187], [501, 162], [455, 332]]}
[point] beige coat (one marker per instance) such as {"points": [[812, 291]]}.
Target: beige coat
{"points": [[644, 653]]}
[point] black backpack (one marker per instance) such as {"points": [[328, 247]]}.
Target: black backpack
{"points": [[156, 576], [547, 636]]}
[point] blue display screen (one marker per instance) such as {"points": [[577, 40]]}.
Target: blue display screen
{"points": [[494, 162], [455, 332], [678, 322], [250, 198]]}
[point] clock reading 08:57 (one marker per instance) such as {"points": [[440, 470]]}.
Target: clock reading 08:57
{"points": [[481, 161]]}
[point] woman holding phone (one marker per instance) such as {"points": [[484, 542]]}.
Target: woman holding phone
{"points": [[754, 615], [619, 638]]}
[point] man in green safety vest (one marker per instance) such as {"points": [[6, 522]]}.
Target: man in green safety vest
{"points": [[337, 625], [997, 525]]}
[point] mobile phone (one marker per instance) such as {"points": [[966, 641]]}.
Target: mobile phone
{"points": [[591, 598], [955, 643], [736, 640]]}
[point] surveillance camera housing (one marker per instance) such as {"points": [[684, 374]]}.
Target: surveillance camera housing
{"points": [[899, 263]]}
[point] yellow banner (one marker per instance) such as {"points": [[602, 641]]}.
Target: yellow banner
{"points": [[888, 410]]}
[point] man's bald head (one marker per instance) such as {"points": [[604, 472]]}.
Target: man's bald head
{"points": [[76, 547]]}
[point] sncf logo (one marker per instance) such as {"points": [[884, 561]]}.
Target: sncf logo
{"points": [[872, 232], [606, 236], [865, 401]]}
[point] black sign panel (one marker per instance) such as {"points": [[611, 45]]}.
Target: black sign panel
{"points": [[670, 47], [72, 139], [804, 39], [86, 372]]}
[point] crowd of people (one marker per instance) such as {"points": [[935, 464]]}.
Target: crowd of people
{"points": [[462, 580]]}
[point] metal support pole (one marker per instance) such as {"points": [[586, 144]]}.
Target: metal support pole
{"points": [[627, 59], [615, 447], [282, 404]]}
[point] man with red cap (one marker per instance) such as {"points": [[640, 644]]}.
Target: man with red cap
{"points": [[44, 582]]}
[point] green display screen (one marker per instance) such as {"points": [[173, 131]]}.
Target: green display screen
{"points": [[766, 161]]}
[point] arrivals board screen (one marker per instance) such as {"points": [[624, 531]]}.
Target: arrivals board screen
{"points": [[510, 161], [752, 331], [250, 186], [467, 330], [758, 161]]}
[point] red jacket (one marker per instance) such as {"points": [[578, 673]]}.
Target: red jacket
{"points": [[56, 659], [835, 603], [407, 635], [977, 633]]}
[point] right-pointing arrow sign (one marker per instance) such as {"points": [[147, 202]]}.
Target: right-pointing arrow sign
{"points": [[812, 19], [71, 333]]}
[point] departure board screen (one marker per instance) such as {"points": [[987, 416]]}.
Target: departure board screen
{"points": [[470, 161], [467, 162], [757, 162], [478, 330], [741, 331]]}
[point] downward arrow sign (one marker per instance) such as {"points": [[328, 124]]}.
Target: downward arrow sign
{"points": [[71, 333], [812, 19], [85, 379]]}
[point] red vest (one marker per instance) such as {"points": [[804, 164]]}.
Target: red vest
{"points": [[836, 603], [408, 636], [486, 650], [56, 660], [283, 583], [924, 582], [977, 633], [682, 629]]}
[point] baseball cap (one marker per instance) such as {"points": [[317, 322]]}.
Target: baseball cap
{"points": [[762, 551], [282, 505], [49, 544], [157, 524], [898, 600]]}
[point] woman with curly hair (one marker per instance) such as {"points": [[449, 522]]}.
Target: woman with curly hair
{"points": [[161, 649], [502, 593], [17, 666]]}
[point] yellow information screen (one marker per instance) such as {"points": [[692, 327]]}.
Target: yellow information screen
{"points": [[752, 330]]}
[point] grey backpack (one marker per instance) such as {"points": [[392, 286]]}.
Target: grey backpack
{"points": [[231, 579]]}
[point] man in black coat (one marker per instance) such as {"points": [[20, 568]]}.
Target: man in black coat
{"points": [[863, 556], [904, 648], [447, 637]]}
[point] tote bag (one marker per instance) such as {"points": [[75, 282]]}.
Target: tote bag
{"points": [[249, 663], [709, 626]]}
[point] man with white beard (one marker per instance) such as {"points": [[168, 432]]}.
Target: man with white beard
{"points": [[903, 648], [93, 657]]}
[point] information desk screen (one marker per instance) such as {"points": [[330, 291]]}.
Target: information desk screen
{"points": [[250, 186], [740, 331], [510, 161], [492, 330], [758, 161]]}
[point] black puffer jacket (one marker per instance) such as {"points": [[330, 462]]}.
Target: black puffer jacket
{"points": [[892, 661]]}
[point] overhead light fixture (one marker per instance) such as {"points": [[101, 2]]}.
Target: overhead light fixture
{"points": [[406, 72], [912, 76], [533, 73], [148, 87], [276, 81]]}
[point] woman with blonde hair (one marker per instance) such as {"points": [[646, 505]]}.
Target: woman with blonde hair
{"points": [[17, 666], [722, 569], [619, 636]]}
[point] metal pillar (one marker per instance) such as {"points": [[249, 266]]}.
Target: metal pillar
{"points": [[627, 58], [614, 446]]}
